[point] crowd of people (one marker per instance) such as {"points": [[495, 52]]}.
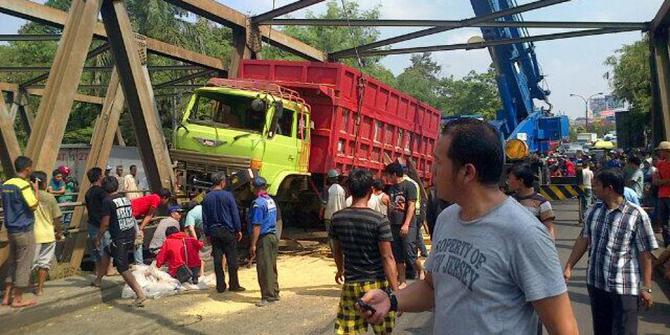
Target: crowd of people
{"points": [[116, 225], [493, 265]]}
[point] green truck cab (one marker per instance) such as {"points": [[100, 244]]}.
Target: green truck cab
{"points": [[235, 126]]}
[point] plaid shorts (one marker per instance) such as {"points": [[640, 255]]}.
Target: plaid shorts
{"points": [[349, 321]]}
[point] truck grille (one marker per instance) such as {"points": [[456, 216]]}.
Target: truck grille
{"points": [[207, 162]]}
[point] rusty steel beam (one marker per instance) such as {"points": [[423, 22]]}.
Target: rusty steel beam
{"points": [[9, 145], [101, 147], [93, 53], [240, 52], [658, 131], [89, 99], [14, 88], [36, 12], [662, 18], [20, 107], [56, 104], [456, 23], [662, 62], [152, 68], [431, 31], [292, 7], [490, 43], [138, 94], [222, 14], [29, 37], [182, 79]]}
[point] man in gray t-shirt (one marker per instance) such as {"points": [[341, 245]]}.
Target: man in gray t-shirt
{"points": [[159, 234], [487, 271], [493, 268]]}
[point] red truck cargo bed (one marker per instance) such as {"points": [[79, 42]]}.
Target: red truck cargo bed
{"points": [[391, 123]]}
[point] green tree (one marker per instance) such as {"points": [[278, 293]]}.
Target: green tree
{"points": [[421, 79], [474, 94], [630, 80], [630, 76], [154, 18], [330, 39]]}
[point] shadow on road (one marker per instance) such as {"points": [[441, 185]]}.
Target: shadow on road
{"points": [[161, 320], [332, 291]]}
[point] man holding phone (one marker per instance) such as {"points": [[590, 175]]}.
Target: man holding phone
{"points": [[493, 267], [362, 250]]}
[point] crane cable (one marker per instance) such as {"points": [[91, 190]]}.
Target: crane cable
{"points": [[361, 84]]}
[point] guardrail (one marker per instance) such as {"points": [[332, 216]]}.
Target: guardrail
{"points": [[68, 207]]}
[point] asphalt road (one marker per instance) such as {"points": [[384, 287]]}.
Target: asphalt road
{"points": [[308, 306]]}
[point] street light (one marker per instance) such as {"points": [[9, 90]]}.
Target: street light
{"points": [[586, 106]]}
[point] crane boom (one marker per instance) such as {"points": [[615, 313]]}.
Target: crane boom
{"points": [[519, 80]]}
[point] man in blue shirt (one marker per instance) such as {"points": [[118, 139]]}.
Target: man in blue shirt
{"points": [[630, 195], [19, 201], [221, 223], [264, 244]]}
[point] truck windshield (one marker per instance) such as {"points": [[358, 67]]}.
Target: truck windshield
{"points": [[226, 111]]}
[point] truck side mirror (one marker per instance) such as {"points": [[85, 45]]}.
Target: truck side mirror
{"points": [[279, 111]]}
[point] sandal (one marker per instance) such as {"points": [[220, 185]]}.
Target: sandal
{"points": [[139, 302]]}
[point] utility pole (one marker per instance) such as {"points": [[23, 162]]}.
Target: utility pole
{"points": [[586, 107]]}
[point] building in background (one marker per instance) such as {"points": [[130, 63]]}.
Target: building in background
{"points": [[604, 106]]}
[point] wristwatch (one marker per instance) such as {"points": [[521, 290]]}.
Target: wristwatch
{"points": [[393, 299], [645, 289]]}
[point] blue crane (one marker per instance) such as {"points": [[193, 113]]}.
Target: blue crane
{"points": [[519, 78]]}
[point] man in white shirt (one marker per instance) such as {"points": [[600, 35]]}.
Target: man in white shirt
{"points": [[587, 177], [636, 179], [130, 184], [379, 201], [336, 200]]}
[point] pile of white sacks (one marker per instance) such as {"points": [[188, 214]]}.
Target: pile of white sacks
{"points": [[157, 283]]}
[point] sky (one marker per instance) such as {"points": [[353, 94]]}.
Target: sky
{"points": [[570, 66]]}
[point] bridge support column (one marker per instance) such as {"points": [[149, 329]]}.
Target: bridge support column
{"points": [[54, 110], [138, 95], [101, 146]]}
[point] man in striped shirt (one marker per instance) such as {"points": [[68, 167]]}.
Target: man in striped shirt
{"points": [[620, 239], [362, 250]]}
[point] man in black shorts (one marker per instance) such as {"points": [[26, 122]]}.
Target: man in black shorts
{"points": [[402, 208], [117, 216]]}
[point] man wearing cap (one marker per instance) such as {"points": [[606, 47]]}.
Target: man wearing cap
{"points": [[662, 179], [336, 200], [159, 234], [264, 247]]}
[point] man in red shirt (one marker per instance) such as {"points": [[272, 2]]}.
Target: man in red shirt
{"points": [[145, 208], [178, 250], [662, 179], [570, 168]]}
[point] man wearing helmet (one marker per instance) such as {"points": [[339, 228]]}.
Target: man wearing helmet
{"points": [[264, 242], [335, 201]]}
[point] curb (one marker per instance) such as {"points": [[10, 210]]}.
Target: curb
{"points": [[82, 297]]}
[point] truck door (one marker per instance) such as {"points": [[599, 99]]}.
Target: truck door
{"points": [[304, 130], [281, 151]]}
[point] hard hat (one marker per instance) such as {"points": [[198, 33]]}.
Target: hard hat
{"points": [[332, 173], [259, 182]]}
